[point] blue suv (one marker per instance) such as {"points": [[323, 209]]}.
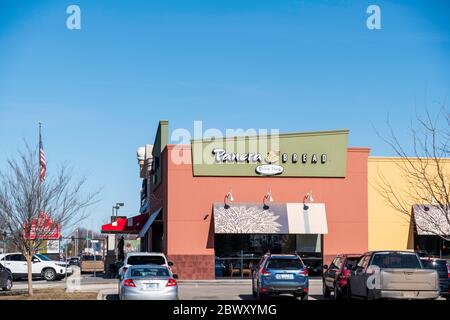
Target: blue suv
{"points": [[280, 274]]}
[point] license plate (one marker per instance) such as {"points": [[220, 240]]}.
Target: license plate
{"points": [[409, 294], [152, 286], [285, 276]]}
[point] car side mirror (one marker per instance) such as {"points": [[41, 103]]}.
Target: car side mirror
{"points": [[170, 263], [35, 260], [175, 276], [325, 267]]}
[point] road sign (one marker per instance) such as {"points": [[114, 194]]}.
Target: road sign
{"points": [[94, 241]]}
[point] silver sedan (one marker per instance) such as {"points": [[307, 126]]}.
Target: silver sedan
{"points": [[148, 282]]}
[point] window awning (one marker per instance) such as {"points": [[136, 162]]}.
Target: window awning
{"points": [[149, 223], [279, 218], [131, 225], [431, 220]]}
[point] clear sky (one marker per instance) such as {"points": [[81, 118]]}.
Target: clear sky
{"points": [[290, 65]]}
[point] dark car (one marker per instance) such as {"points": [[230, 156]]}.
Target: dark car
{"points": [[6, 279], [443, 269], [335, 276], [280, 274], [74, 261]]}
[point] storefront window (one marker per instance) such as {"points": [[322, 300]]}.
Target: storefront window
{"points": [[238, 254], [430, 245]]}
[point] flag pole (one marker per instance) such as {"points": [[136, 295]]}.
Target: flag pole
{"points": [[37, 235]]}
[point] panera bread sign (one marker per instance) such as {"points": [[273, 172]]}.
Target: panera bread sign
{"points": [[316, 154]]}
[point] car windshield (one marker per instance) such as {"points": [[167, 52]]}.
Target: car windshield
{"points": [[439, 265], [42, 257], [143, 260], [351, 262], [396, 261], [149, 272], [91, 258], [285, 264]]}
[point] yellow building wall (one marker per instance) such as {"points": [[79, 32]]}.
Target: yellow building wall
{"points": [[388, 228]]}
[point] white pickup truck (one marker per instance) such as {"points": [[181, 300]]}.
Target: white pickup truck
{"points": [[392, 275], [42, 267]]}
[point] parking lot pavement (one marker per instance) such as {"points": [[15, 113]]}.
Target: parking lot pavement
{"points": [[241, 290], [224, 290], [37, 284]]}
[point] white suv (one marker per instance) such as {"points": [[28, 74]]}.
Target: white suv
{"points": [[43, 267], [144, 258]]}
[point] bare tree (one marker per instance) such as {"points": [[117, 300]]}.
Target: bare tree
{"points": [[33, 211], [425, 166]]}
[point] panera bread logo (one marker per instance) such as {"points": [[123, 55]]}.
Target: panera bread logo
{"points": [[221, 156], [268, 163]]}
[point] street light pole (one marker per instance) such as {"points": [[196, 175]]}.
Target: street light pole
{"points": [[117, 207], [4, 242]]}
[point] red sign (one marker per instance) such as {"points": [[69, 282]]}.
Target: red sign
{"points": [[43, 228]]}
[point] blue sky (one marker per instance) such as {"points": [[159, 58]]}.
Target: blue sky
{"points": [[309, 65]]}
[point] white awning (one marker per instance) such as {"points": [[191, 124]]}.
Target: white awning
{"points": [[309, 219], [149, 223], [431, 220], [278, 218]]}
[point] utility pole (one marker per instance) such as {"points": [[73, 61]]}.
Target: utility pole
{"points": [[76, 244]]}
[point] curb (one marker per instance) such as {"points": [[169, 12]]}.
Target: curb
{"points": [[103, 293]]}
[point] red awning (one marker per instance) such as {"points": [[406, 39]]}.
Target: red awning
{"points": [[131, 225]]}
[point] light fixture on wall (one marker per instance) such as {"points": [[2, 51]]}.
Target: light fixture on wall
{"points": [[307, 198], [228, 198], [267, 197]]}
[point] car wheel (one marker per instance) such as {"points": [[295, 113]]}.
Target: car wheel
{"points": [[337, 294], [349, 292], [344, 293], [8, 285], [325, 290], [254, 294], [260, 295], [49, 274]]}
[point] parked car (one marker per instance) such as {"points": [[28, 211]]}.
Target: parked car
{"points": [[144, 258], [336, 276], [280, 274], [148, 282], [91, 263], [392, 275], [42, 267], [443, 269], [6, 279]]}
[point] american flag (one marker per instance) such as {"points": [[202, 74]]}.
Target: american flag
{"points": [[42, 164]]}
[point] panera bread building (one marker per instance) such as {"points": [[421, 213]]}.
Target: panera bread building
{"points": [[216, 206]]}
